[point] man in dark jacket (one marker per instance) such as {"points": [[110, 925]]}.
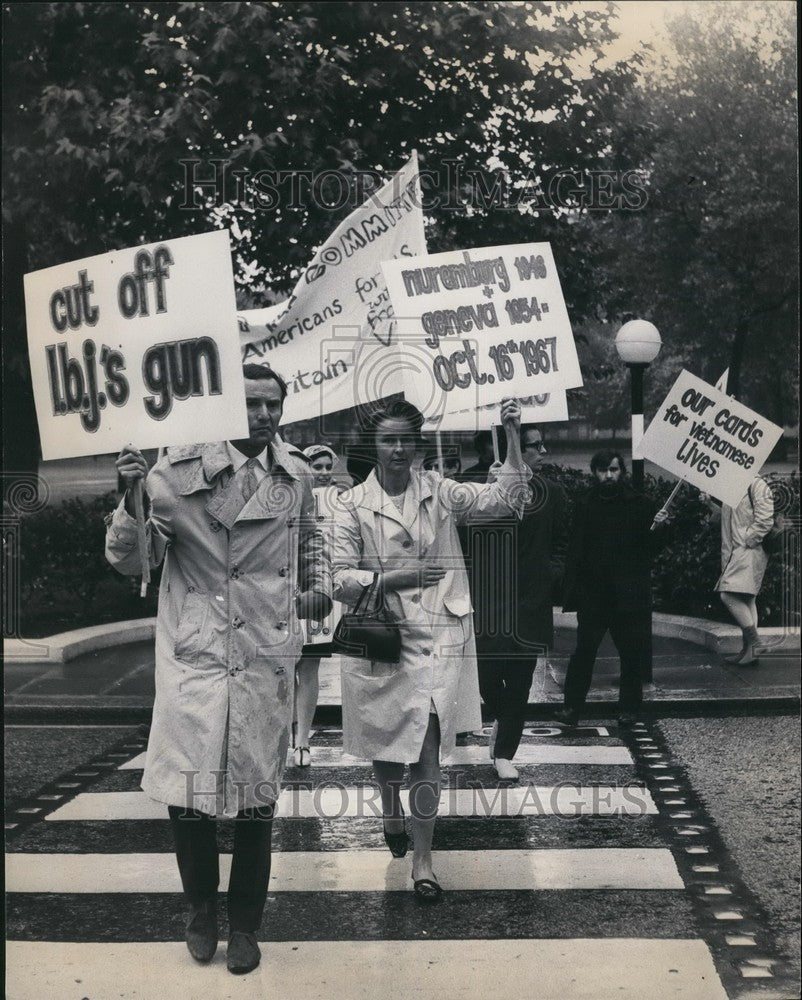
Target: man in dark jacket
{"points": [[513, 600], [608, 584]]}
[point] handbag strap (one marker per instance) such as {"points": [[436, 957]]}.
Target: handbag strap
{"points": [[367, 595]]}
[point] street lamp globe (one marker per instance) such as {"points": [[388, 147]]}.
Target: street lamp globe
{"points": [[638, 342]]}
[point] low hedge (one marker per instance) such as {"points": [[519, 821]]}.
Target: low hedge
{"points": [[64, 581]]}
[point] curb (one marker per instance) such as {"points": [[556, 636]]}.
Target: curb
{"points": [[94, 711], [65, 646]]}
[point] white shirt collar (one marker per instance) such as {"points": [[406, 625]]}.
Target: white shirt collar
{"points": [[238, 459]]}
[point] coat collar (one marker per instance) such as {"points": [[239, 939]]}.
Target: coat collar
{"points": [[374, 498], [215, 459]]}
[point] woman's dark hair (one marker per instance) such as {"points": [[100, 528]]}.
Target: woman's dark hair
{"points": [[394, 409], [604, 458], [263, 372]]}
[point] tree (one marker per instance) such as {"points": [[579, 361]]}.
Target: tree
{"points": [[712, 258], [106, 102]]}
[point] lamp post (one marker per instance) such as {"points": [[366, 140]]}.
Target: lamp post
{"points": [[638, 344]]}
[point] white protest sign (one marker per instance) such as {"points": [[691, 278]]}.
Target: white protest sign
{"points": [[138, 346], [548, 408], [333, 339], [708, 439], [491, 322]]}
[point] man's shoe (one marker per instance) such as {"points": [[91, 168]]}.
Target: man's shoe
{"points": [[566, 716], [505, 769], [627, 718], [201, 932], [491, 746], [243, 953]]}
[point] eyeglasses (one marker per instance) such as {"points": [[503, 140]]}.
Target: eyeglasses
{"points": [[539, 445]]}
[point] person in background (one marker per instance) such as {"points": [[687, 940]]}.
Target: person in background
{"points": [[744, 561], [322, 461], [483, 446], [452, 466], [507, 660], [608, 584], [398, 531], [227, 639]]}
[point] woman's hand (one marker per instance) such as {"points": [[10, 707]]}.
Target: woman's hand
{"points": [[425, 575], [511, 419], [511, 416]]}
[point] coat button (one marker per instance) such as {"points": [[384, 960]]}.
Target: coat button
{"points": [[281, 625], [235, 573], [426, 652], [415, 598], [407, 544], [282, 571], [237, 622]]}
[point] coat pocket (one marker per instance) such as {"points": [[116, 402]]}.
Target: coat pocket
{"points": [[191, 622]]}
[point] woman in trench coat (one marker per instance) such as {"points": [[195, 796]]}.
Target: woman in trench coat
{"points": [[399, 528], [743, 563]]}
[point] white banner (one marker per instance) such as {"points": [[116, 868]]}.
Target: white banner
{"points": [[549, 408], [483, 324], [124, 349], [708, 439], [334, 339]]}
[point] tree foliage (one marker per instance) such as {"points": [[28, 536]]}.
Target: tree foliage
{"points": [[713, 257], [104, 103]]}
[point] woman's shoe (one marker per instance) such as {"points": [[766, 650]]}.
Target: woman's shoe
{"points": [[427, 891], [302, 757], [397, 842]]}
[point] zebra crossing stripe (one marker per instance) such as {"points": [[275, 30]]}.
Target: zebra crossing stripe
{"points": [[358, 871], [527, 754], [332, 801], [545, 969]]}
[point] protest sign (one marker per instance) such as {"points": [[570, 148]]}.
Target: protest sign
{"points": [[334, 336], [548, 408], [708, 439], [491, 322], [125, 349]]}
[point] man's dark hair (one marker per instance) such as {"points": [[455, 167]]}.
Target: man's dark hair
{"points": [[531, 427], [263, 372], [604, 458]]}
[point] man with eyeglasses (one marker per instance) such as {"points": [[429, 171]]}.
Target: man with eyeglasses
{"points": [[520, 591]]}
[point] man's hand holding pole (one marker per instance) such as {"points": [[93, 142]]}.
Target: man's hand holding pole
{"points": [[133, 468]]}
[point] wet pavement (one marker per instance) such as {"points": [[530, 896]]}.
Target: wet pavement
{"points": [[117, 682]]}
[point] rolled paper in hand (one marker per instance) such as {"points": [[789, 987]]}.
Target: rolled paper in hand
{"points": [[494, 435], [667, 504], [141, 535]]}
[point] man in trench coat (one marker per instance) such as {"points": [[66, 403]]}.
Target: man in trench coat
{"points": [[234, 522]]}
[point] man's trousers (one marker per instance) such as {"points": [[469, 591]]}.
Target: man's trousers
{"points": [[631, 633], [195, 836]]}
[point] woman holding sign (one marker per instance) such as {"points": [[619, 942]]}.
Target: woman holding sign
{"points": [[398, 531]]}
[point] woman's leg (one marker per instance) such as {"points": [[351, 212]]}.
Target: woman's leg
{"points": [[424, 799], [390, 775], [738, 607], [306, 693], [752, 605]]}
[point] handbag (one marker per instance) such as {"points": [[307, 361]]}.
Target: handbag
{"points": [[368, 636]]}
